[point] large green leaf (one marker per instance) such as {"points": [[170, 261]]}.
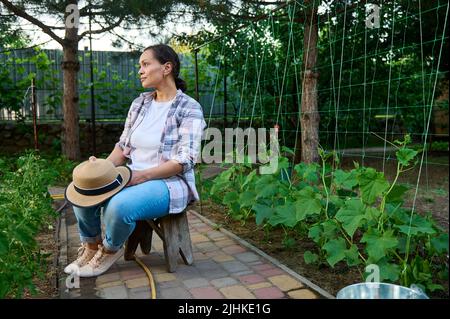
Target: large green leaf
{"points": [[315, 233], [221, 182], [397, 213], [337, 201], [283, 163], [352, 256], [249, 178], [262, 212], [330, 228], [378, 245], [419, 224], [404, 217], [373, 184], [351, 215], [266, 186], [335, 251], [308, 172], [382, 271], [284, 215], [344, 179], [247, 199], [284, 190], [405, 155], [267, 191], [263, 181], [230, 198], [219, 186], [287, 150], [372, 214], [414, 230], [433, 287], [388, 271], [396, 194], [440, 243], [308, 203], [306, 207]]}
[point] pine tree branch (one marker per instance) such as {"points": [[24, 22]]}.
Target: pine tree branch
{"points": [[105, 29], [21, 13], [84, 12], [266, 3]]}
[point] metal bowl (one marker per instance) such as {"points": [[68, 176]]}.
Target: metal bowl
{"points": [[375, 290]]}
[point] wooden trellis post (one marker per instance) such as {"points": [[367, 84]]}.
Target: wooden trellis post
{"points": [[310, 116]]}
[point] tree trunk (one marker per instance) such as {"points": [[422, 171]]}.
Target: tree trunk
{"points": [[70, 140], [295, 122], [310, 116]]}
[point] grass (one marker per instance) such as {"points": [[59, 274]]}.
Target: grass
{"points": [[440, 192]]}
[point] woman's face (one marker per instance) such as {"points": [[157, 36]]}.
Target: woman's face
{"points": [[151, 72]]}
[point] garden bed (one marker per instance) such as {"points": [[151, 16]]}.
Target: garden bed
{"points": [[28, 245], [289, 246], [329, 279], [47, 287]]}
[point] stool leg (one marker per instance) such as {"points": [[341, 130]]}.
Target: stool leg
{"points": [[133, 241], [170, 241], [176, 240], [185, 242], [146, 239]]}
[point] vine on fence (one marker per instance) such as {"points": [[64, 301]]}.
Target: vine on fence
{"points": [[114, 96]]}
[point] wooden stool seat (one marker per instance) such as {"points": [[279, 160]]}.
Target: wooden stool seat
{"points": [[173, 230]]}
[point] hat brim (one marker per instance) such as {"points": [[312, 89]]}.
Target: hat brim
{"points": [[77, 199]]}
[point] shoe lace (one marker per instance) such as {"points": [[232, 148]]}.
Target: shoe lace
{"points": [[81, 250], [83, 253], [98, 257]]}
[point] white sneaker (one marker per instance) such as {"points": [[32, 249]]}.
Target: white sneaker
{"points": [[85, 254], [100, 263]]}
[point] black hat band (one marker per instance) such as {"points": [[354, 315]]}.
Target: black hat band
{"points": [[102, 190]]}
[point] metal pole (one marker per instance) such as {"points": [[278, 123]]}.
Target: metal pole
{"points": [[197, 95], [33, 110], [224, 94], [94, 146]]}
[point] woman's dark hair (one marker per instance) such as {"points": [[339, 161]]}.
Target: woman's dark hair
{"points": [[164, 53]]}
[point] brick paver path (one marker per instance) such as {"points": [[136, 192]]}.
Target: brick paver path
{"points": [[223, 268]]}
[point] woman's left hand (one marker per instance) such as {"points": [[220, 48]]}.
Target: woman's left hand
{"points": [[137, 177]]}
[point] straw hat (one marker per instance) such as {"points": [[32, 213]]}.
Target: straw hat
{"points": [[95, 181]]}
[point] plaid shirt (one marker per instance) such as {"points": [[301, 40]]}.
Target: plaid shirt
{"points": [[180, 141]]}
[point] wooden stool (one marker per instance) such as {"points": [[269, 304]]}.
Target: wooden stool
{"points": [[173, 230]]}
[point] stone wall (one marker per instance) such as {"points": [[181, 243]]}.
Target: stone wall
{"points": [[16, 137]]}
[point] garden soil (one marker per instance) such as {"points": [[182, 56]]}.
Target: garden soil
{"points": [[47, 287]]}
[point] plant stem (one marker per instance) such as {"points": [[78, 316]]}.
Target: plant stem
{"points": [[383, 201], [287, 175], [398, 256], [325, 187], [350, 241], [396, 146], [360, 273]]}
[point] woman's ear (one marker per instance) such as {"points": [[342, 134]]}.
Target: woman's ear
{"points": [[167, 68]]}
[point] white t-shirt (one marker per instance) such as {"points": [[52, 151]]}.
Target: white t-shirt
{"points": [[146, 138]]}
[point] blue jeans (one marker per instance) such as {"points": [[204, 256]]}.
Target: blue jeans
{"points": [[142, 201]]}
